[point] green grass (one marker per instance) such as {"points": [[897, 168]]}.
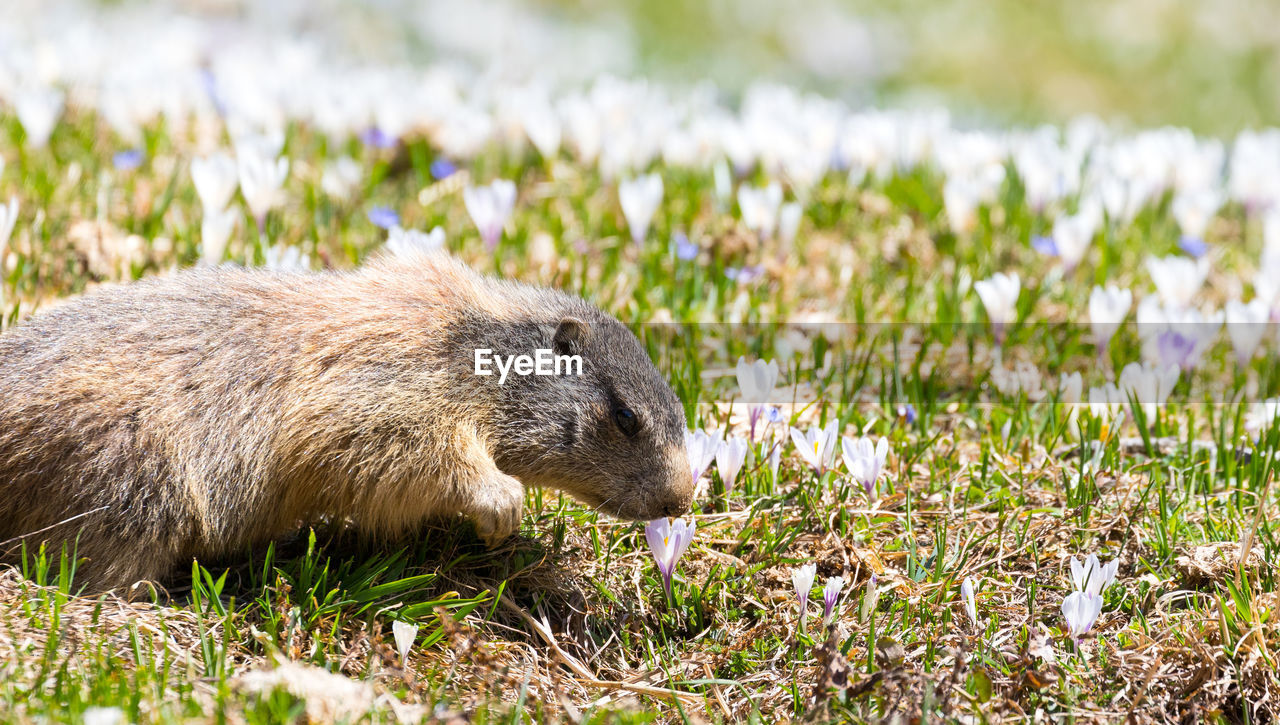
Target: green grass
{"points": [[981, 484]]}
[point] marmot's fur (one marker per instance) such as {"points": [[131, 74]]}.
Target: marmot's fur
{"points": [[196, 414]]}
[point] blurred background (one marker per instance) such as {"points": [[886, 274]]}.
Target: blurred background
{"points": [[1211, 65]]}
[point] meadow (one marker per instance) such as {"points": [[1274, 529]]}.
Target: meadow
{"points": [[982, 418]]}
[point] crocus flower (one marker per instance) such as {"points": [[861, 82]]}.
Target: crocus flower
{"points": [[1246, 324], [802, 578], [384, 217], [282, 258], [1081, 610], [640, 198], [701, 448], [775, 458], [865, 460], [757, 380], [38, 109], [404, 634], [8, 218], [1107, 309], [817, 446], [127, 160], [1044, 245], [870, 598], [999, 295], [789, 222], [668, 541], [970, 604], [685, 250], [1193, 210], [377, 138], [830, 596], [403, 242], [729, 459], [1148, 384], [1177, 279], [1072, 235], [907, 413], [341, 177], [490, 207], [1091, 575], [442, 168], [261, 179], [1194, 246], [215, 180], [759, 208], [215, 230]]}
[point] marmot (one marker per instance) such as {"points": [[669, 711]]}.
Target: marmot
{"points": [[196, 414]]}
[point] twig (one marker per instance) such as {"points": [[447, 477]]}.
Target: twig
{"points": [[587, 678]]}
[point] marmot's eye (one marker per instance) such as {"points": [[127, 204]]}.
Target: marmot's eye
{"points": [[628, 422]]}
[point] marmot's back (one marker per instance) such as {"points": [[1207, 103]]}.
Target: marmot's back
{"points": [[195, 413]]}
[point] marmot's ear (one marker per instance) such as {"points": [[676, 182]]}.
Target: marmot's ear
{"points": [[570, 336]]}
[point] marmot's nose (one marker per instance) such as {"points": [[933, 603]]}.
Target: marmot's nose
{"points": [[676, 507]]}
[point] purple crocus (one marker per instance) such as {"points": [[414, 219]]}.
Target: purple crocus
{"points": [[685, 250], [1194, 246], [744, 275], [831, 596], [907, 412], [668, 541], [384, 217], [127, 160], [1044, 245], [1176, 349], [442, 168], [377, 138]]}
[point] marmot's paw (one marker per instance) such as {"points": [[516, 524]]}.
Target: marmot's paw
{"points": [[496, 508]]}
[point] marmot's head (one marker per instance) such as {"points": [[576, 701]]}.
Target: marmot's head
{"points": [[612, 436]]}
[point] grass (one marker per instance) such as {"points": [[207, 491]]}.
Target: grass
{"points": [[569, 621]]}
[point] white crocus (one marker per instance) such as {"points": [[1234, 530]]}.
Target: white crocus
{"points": [[1072, 236], [38, 109], [8, 218], [215, 231], [1177, 279], [1246, 324], [1092, 576], [261, 179], [970, 604], [404, 634], [1193, 210], [701, 447], [640, 198], [816, 446], [1081, 610], [802, 579], [999, 295], [490, 207], [757, 380], [1107, 309], [1148, 384], [759, 208], [215, 178], [865, 460], [789, 222], [729, 459], [404, 243], [283, 258], [340, 178]]}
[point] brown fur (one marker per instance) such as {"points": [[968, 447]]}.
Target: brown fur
{"points": [[196, 414]]}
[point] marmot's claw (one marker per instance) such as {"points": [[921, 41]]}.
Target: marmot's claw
{"points": [[497, 508]]}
